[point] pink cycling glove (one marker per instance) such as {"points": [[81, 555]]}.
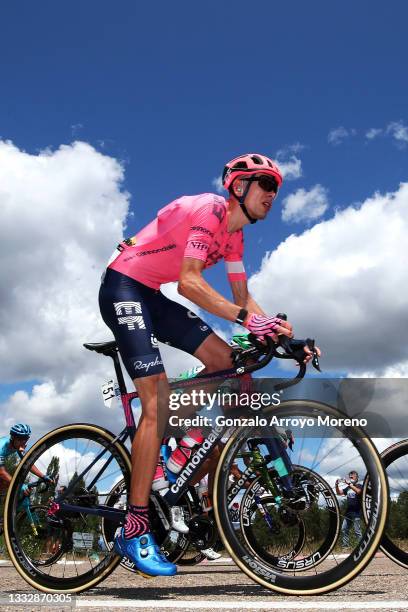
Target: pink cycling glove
{"points": [[262, 326]]}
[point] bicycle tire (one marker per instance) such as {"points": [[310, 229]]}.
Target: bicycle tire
{"points": [[30, 572], [333, 577], [388, 546]]}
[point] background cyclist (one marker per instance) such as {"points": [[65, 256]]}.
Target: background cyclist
{"points": [[15, 444], [188, 235]]}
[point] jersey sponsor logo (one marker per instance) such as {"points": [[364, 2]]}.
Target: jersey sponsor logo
{"points": [[204, 230], [168, 247], [203, 327], [198, 246], [142, 364], [213, 258], [132, 312], [154, 341]]}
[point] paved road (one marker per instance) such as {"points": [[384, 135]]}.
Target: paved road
{"points": [[383, 585]]}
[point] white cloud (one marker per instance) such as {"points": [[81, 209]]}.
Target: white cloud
{"points": [[397, 370], [345, 281], [338, 135], [76, 128], [288, 162], [399, 131], [373, 133], [217, 183], [80, 401], [305, 205], [62, 212], [291, 168], [296, 147]]}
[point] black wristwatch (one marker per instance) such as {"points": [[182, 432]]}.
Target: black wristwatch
{"points": [[241, 316]]}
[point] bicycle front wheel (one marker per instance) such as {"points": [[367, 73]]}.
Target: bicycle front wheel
{"points": [[79, 450], [331, 564], [395, 540]]}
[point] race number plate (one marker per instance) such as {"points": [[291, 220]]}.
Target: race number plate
{"points": [[111, 394]]}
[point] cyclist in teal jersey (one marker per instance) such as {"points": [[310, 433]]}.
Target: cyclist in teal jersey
{"points": [[188, 235], [15, 444]]}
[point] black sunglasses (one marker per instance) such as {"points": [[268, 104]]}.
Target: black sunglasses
{"points": [[266, 182]]}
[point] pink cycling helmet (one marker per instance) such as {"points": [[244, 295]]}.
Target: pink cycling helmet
{"points": [[248, 165]]}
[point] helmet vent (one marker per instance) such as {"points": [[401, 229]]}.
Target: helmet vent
{"points": [[256, 159], [241, 164]]}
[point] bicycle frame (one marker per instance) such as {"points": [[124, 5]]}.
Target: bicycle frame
{"points": [[186, 476]]}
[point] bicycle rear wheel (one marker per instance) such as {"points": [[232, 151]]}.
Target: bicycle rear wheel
{"points": [[84, 563], [330, 457]]}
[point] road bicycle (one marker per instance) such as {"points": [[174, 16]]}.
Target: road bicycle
{"points": [[93, 461]]}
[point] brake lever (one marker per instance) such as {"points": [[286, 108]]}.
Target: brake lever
{"points": [[315, 360], [289, 348]]}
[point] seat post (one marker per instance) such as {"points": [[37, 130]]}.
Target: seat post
{"points": [[119, 375]]}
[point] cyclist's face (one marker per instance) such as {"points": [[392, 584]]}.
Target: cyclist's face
{"points": [[258, 201], [19, 443]]}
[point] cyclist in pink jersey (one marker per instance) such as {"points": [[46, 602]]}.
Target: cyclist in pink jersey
{"points": [[188, 235]]}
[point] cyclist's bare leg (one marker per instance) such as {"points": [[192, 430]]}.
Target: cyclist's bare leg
{"points": [[209, 467], [215, 354], [146, 443]]}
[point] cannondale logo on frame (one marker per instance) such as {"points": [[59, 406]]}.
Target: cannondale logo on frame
{"points": [[130, 314]]}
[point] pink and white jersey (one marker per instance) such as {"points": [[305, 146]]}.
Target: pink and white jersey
{"points": [[191, 226]]}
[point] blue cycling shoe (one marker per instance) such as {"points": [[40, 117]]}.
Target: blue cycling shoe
{"points": [[145, 554]]}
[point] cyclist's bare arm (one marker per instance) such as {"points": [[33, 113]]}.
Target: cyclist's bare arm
{"points": [[5, 476], [36, 472], [194, 287], [244, 299]]}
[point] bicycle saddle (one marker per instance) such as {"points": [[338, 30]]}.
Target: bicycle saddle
{"points": [[105, 348]]}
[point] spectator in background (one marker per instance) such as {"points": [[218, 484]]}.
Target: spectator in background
{"points": [[352, 518]]}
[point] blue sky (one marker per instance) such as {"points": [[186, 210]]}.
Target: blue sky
{"points": [[173, 90]]}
